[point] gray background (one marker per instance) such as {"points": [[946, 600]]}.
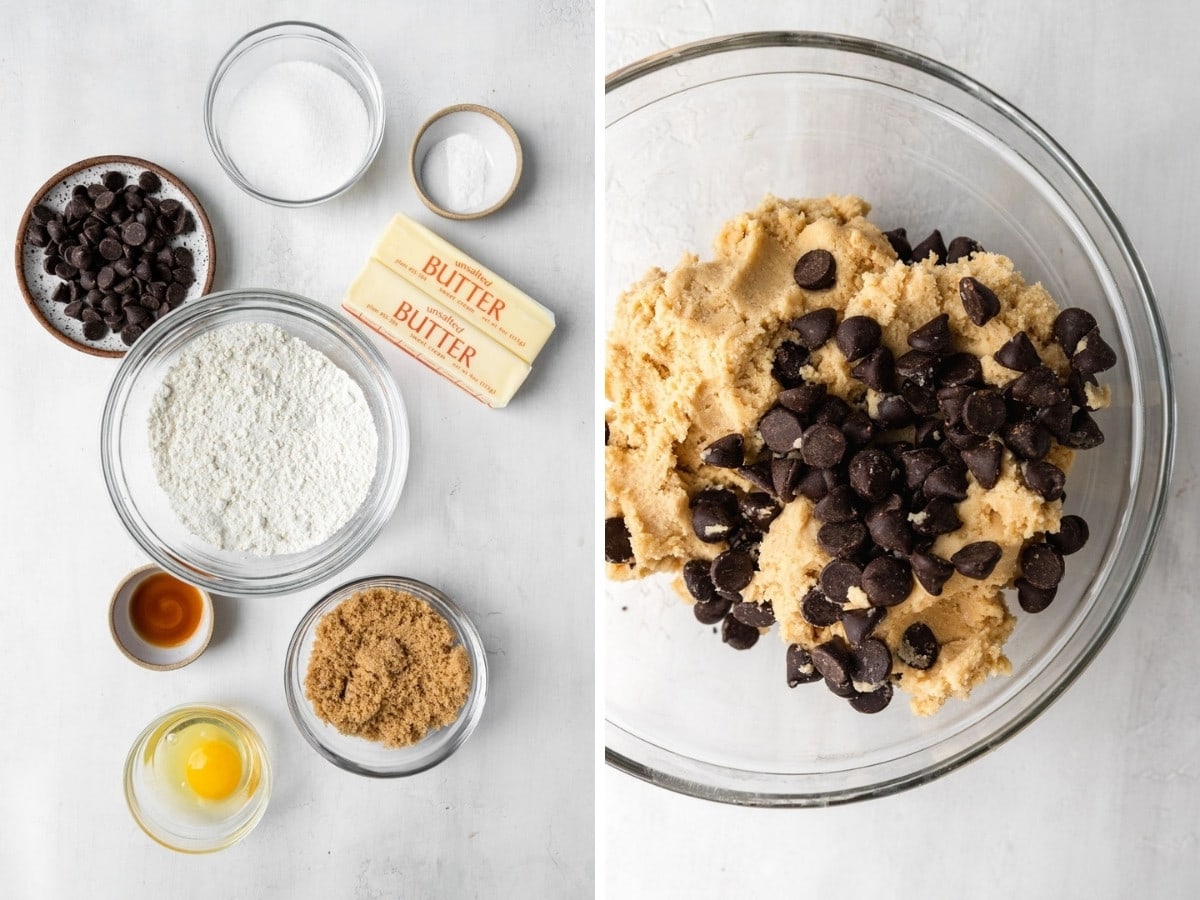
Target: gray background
{"points": [[491, 512], [1100, 796]]}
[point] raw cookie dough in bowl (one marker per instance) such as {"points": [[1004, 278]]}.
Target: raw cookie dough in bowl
{"points": [[696, 139]]}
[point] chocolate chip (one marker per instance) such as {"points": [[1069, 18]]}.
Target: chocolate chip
{"points": [[816, 270], [917, 366], [984, 462], [1071, 537], [898, 238], [732, 570], [151, 184], [984, 412], [759, 509], [857, 336], [800, 668], [819, 610], [759, 475], [870, 663], [858, 623], [917, 464], [946, 482], [874, 701], [712, 523], [722, 497], [1027, 440], [94, 329], [887, 581], [816, 483], [933, 244], [838, 576], [617, 548], [1056, 419], [1085, 433], [918, 647], [816, 327], [133, 234], [961, 248], [858, 428], [756, 615], [976, 560], [42, 214], [842, 539], [891, 530], [1045, 479], [710, 612], [1070, 326], [979, 301], [1092, 354], [951, 400], [837, 506], [1039, 387], [790, 358], [726, 452], [1018, 353], [782, 430], [871, 473], [960, 369], [62, 293], [892, 411], [74, 309], [876, 370], [737, 634], [785, 473], [832, 411], [832, 660], [938, 517], [698, 581], [803, 399], [933, 337], [1042, 566], [823, 446], [1033, 599], [931, 571]]}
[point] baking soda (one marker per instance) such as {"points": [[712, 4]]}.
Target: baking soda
{"points": [[297, 131], [456, 173]]}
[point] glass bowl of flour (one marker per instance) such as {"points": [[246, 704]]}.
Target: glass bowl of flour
{"points": [[294, 114], [254, 443]]}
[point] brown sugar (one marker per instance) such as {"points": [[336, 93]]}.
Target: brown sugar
{"points": [[386, 666]]}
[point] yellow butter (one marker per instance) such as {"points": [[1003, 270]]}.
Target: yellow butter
{"points": [[437, 336], [514, 319]]}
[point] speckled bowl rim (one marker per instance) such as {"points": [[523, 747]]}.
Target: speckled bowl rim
{"points": [[205, 598], [67, 172], [420, 187]]}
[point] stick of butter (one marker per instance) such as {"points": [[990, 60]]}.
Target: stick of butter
{"points": [[424, 328], [513, 318]]}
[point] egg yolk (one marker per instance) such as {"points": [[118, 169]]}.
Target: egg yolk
{"points": [[214, 769]]}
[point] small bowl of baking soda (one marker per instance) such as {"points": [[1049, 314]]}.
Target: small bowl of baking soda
{"points": [[465, 161]]}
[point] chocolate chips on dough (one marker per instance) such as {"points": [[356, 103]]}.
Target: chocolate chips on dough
{"points": [[861, 443]]}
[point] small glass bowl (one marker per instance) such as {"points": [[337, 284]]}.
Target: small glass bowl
{"points": [[198, 828], [288, 42], [371, 758], [143, 506]]}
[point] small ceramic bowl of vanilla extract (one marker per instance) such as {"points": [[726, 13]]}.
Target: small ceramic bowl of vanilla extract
{"points": [[159, 621]]}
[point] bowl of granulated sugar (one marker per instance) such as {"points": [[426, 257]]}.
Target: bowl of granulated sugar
{"points": [[254, 442], [294, 114]]}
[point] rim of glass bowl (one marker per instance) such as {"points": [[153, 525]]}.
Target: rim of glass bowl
{"points": [[262, 797], [214, 306], [661, 766], [468, 635], [308, 31]]}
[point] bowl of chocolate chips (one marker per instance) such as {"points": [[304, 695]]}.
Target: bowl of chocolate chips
{"points": [[889, 424]]}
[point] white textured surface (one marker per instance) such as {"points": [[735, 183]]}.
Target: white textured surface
{"points": [[1097, 798], [494, 510]]}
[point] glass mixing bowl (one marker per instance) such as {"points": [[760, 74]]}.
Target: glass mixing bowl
{"points": [[358, 755], [697, 134], [143, 506]]}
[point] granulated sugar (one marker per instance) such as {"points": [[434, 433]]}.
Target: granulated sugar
{"points": [[260, 442], [297, 131]]}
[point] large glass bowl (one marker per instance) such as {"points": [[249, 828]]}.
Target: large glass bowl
{"points": [[694, 136], [143, 506], [371, 758]]}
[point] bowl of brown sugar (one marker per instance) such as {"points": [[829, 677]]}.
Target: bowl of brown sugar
{"points": [[386, 677]]}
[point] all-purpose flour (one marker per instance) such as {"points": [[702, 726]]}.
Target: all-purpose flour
{"points": [[261, 443]]}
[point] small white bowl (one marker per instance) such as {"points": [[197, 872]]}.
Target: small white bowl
{"points": [[142, 652], [502, 161]]}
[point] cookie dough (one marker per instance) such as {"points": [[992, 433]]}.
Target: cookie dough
{"points": [[689, 360]]}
